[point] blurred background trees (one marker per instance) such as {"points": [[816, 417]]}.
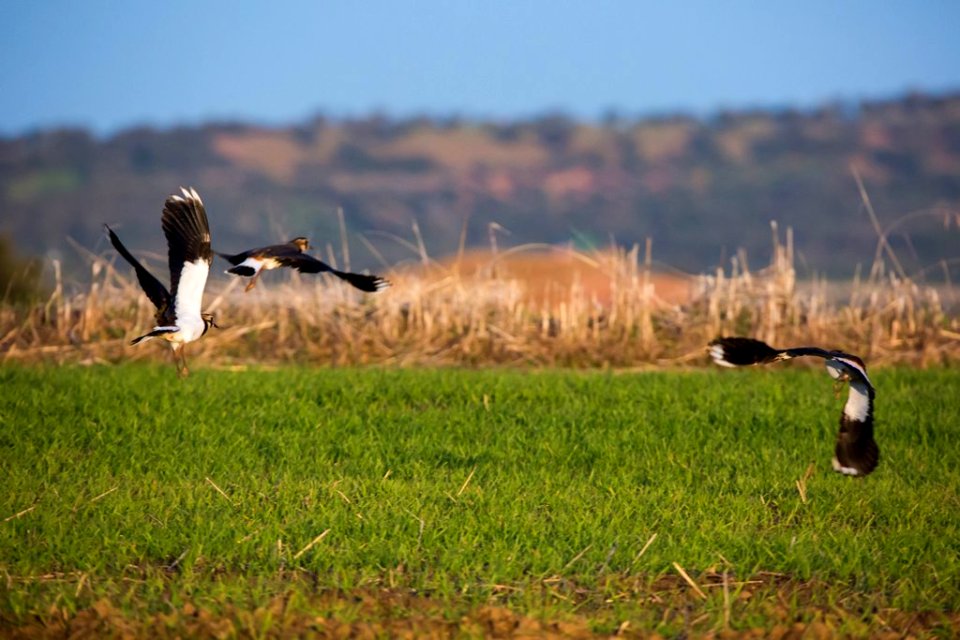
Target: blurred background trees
{"points": [[700, 187], [19, 276]]}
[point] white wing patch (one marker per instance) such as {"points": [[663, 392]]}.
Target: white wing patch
{"points": [[716, 352], [259, 263], [193, 279], [254, 263]]}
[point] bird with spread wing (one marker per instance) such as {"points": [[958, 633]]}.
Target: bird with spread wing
{"points": [[292, 254], [856, 452], [179, 317]]}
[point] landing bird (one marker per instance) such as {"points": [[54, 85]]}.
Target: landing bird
{"points": [[179, 319], [291, 254], [856, 453]]}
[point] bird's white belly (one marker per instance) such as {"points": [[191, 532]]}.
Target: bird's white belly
{"points": [[260, 263], [193, 278], [191, 329], [187, 330], [189, 298]]}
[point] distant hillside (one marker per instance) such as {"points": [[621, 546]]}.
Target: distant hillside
{"points": [[700, 188]]}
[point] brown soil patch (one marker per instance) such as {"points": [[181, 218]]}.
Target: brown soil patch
{"points": [[551, 274], [776, 607]]}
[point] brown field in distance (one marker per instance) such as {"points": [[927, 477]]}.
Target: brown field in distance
{"points": [[549, 273]]}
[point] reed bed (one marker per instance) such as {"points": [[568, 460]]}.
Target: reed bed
{"points": [[444, 314]]}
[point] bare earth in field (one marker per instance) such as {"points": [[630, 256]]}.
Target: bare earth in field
{"points": [[791, 610], [550, 273]]}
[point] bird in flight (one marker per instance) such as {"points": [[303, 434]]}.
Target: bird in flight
{"points": [[291, 254], [856, 452], [179, 318]]}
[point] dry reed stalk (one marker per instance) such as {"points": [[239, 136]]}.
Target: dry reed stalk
{"points": [[577, 557], [310, 544], [104, 494], [463, 487], [219, 490], [20, 513], [645, 547], [802, 482], [689, 581]]}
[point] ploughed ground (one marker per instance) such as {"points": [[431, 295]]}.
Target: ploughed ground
{"points": [[710, 605]]}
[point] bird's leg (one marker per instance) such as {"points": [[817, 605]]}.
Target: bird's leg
{"points": [[173, 354], [253, 282], [180, 361], [838, 387], [184, 372]]}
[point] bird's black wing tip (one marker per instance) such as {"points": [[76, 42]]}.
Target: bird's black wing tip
{"points": [[364, 282], [379, 284]]}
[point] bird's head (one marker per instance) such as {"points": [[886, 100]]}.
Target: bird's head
{"points": [[837, 370], [208, 321], [844, 367], [301, 243]]}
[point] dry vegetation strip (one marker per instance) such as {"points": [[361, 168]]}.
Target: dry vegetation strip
{"points": [[513, 307]]}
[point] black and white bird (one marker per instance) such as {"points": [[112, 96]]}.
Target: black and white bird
{"points": [[291, 254], [179, 318], [856, 452]]}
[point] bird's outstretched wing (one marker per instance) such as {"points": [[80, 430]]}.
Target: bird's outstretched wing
{"points": [[305, 263], [188, 249], [154, 289], [740, 352]]}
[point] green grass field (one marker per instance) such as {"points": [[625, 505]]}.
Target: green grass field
{"points": [[279, 502]]}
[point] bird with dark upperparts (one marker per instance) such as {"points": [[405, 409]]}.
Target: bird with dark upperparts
{"points": [[179, 316], [856, 452], [292, 254]]}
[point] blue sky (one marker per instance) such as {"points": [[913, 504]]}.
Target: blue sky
{"points": [[114, 64]]}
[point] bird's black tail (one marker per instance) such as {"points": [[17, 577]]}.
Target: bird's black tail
{"points": [[232, 258], [156, 333], [738, 352], [242, 270]]}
